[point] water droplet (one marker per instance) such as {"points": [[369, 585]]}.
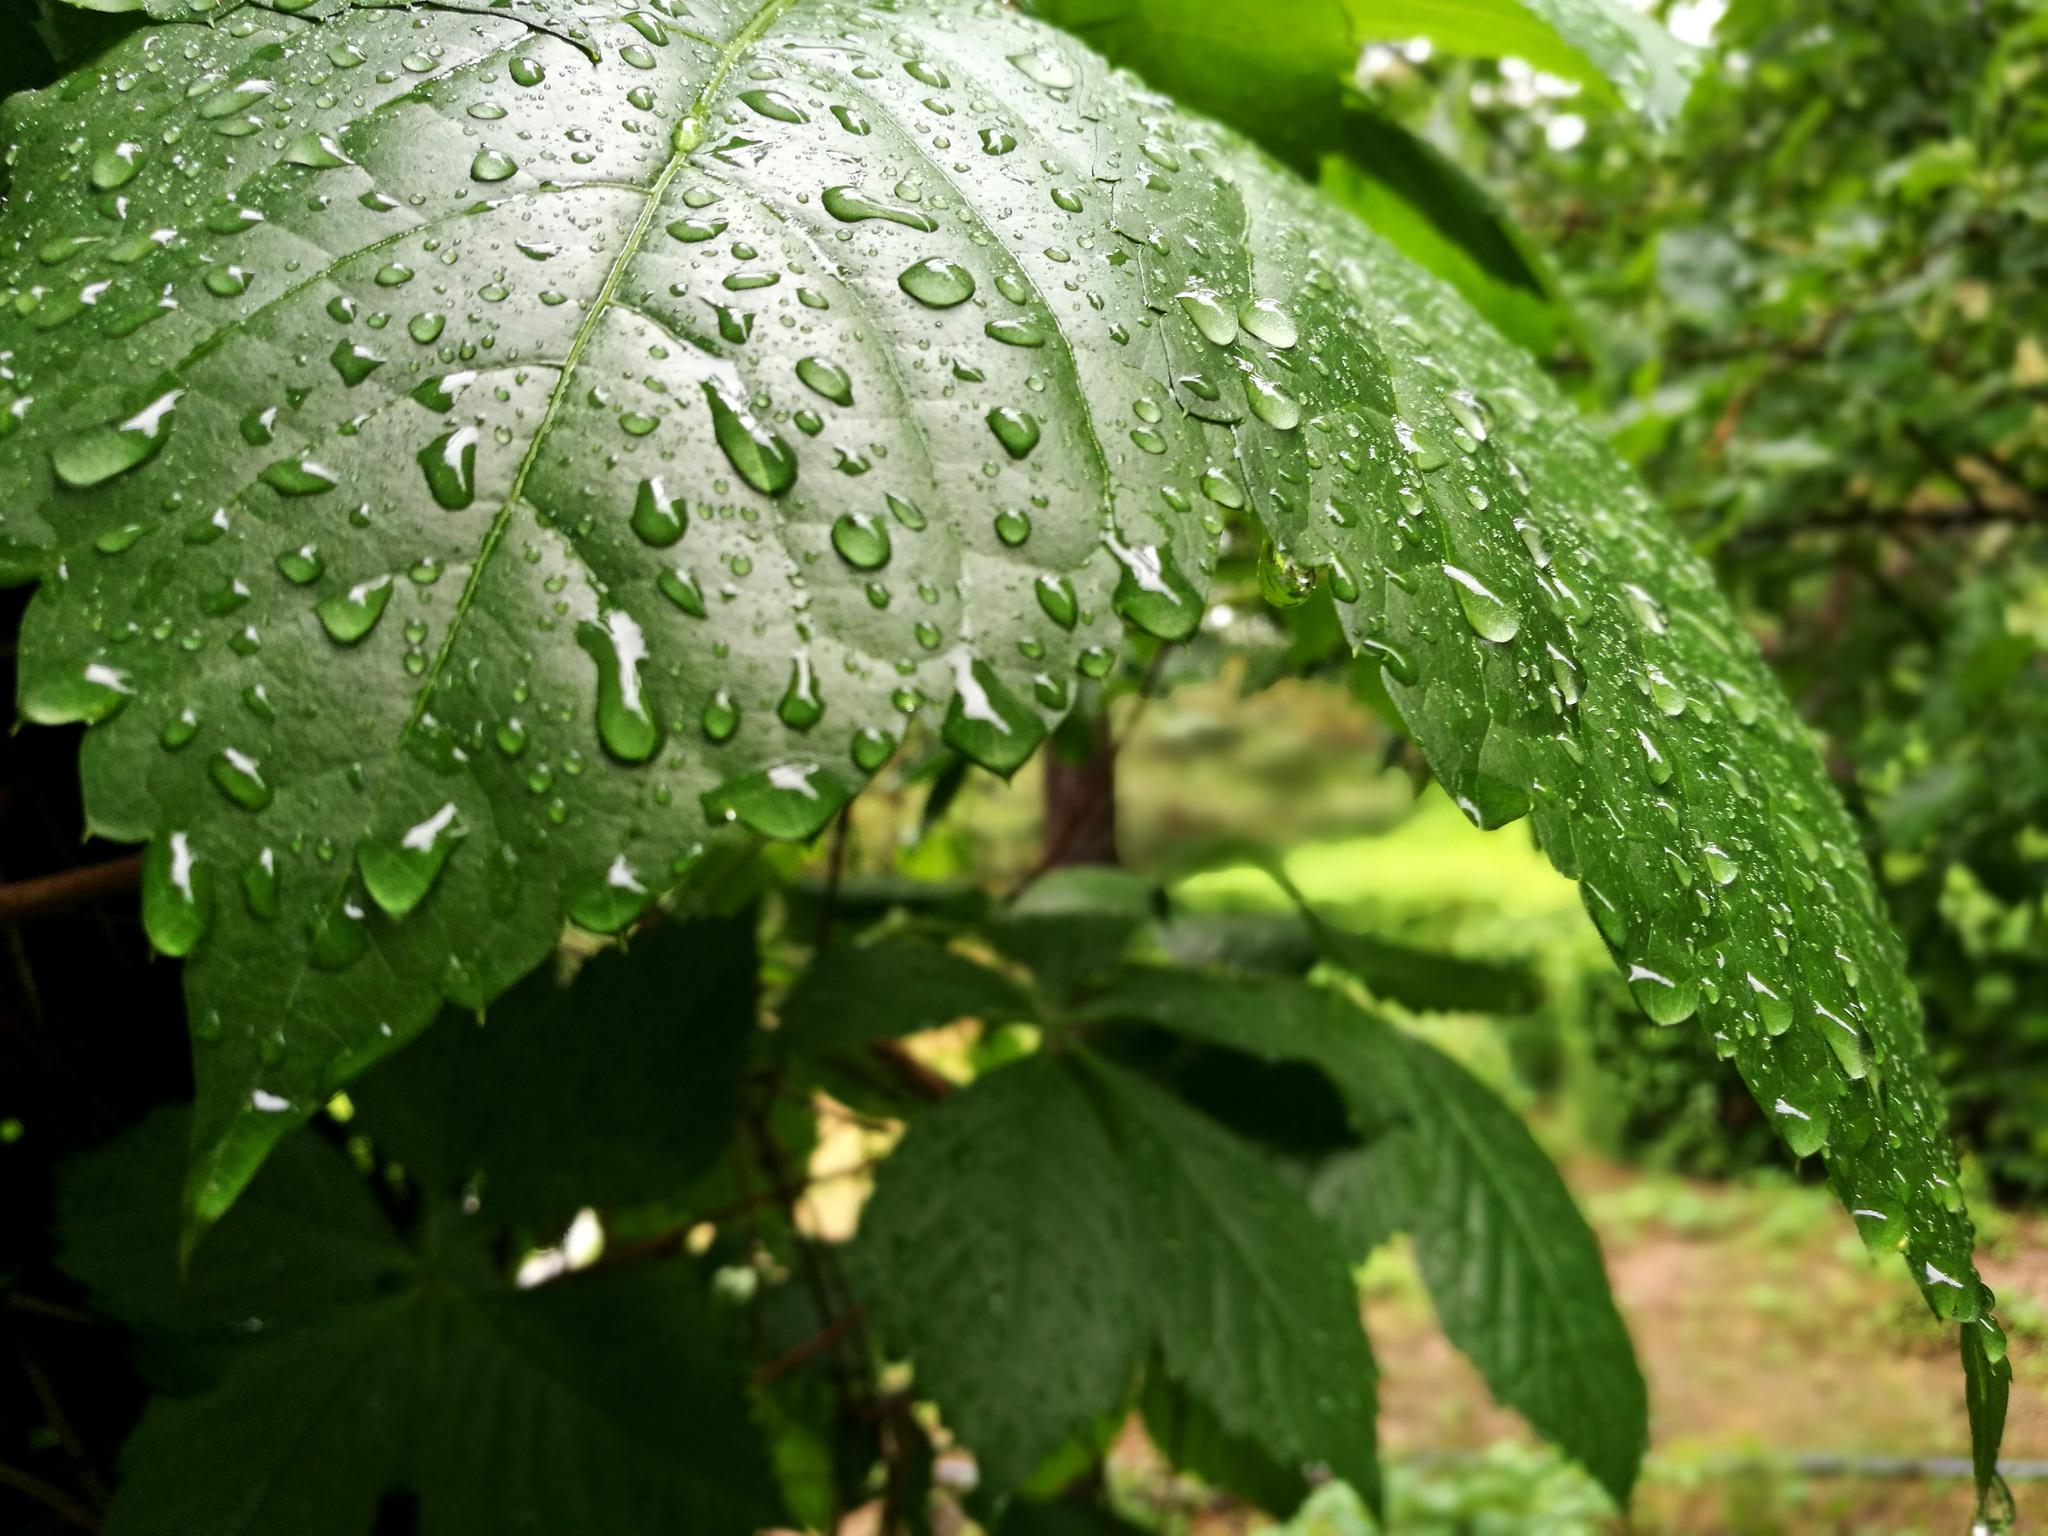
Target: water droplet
{"points": [[1015, 333], [116, 165], [986, 722], [1151, 592], [526, 71], [696, 231], [625, 720], [1272, 404], [353, 362], [609, 902], [680, 587], [850, 205], [827, 378], [763, 460], [104, 452], [449, 463], [260, 887], [492, 165], [658, 517], [1214, 319], [1490, 618], [1056, 597], [315, 151], [176, 899], [862, 540], [1665, 1001], [801, 708], [94, 693], [774, 105], [1017, 431], [793, 801], [937, 282], [1042, 66], [349, 616], [299, 477], [240, 777], [399, 873], [1269, 323]]}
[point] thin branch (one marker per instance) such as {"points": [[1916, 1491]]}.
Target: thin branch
{"points": [[798, 1355], [47, 895], [50, 1496]]}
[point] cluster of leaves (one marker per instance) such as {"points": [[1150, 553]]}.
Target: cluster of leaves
{"points": [[650, 421], [1149, 1198]]}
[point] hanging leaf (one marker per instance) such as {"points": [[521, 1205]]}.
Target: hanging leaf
{"points": [[532, 457], [1514, 1271]]}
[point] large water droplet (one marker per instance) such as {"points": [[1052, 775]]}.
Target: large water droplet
{"points": [[763, 460], [850, 205], [398, 873], [1151, 592], [240, 777], [349, 616], [176, 898], [625, 720], [658, 517], [1490, 617], [1017, 431], [862, 540], [449, 463], [801, 708], [104, 452], [937, 282]]}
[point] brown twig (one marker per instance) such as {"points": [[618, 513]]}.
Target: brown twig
{"points": [[47, 895], [798, 1355], [50, 1496]]}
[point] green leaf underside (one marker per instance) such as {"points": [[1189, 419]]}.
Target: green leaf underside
{"points": [[347, 1367], [1044, 1231], [1549, 644], [531, 1111], [1514, 1271], [1208, 58]]}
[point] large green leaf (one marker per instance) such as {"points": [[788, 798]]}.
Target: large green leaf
{"points": [[352, 1367], [1064, 352], [1514, 1271]]}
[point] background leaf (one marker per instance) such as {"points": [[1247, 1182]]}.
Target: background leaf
{"points": [[1514, 1271], [1254, 1307], [999, 1243]]}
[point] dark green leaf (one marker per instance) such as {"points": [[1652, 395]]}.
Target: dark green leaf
{"points": [[1253, 1305], [306, 1240], [1071, 926], [299, 1437], [1515, 1272], [607, 1401], [854, 993], [1000, 1241], [616, 1089], [1189, 1435]]}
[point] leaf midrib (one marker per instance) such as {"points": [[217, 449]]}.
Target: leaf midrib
{"points": [[688, 134]]}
